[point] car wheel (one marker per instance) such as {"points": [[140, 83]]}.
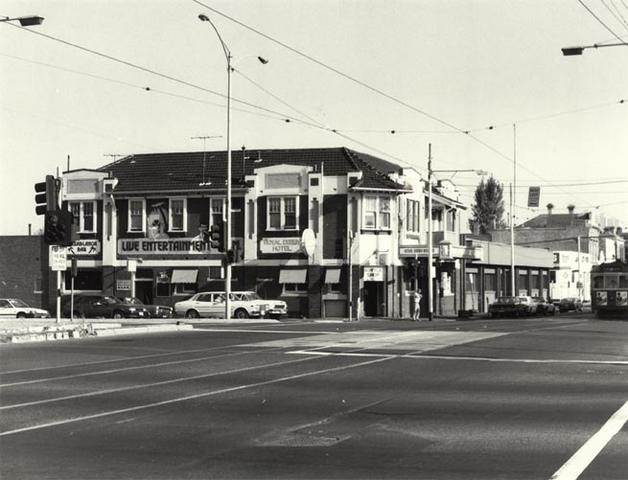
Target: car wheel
{"points": [[240, 313], [191, 314], [118, 314], [21, 315]]}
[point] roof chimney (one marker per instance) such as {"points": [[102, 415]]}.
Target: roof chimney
{"points": [[550, 207], [571, 208]]}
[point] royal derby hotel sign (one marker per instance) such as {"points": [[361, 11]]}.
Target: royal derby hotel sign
{"points": [[171, 246]]}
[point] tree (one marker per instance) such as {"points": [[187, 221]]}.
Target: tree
{"points": [[488, 210]]}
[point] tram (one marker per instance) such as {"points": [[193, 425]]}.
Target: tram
{"points": [[609, 289]]}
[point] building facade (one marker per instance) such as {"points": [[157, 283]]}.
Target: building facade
{"points": [[334, 232]]}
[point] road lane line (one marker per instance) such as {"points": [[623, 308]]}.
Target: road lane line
{"points": [[165, 354], [136, 367], [190, 397], [149, 385], [317, 351], [580, 460]]}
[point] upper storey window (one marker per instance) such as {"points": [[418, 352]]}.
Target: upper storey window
{"points": [[376, 213], [282, 213], [84, 216]]}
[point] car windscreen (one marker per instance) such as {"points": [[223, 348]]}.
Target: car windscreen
{"points": [[507, 300], [19, 303]]}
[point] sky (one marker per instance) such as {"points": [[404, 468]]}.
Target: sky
{"points": [[483, 81]]}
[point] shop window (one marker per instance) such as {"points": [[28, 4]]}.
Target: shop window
{"points": [[177, 213], [294, 288], [282, 213], [85, 280], [215, 273], [84, 216], [184, 288], [137, 215], [376, 213]]}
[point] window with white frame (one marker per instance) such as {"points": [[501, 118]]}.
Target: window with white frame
{"points": [[177, 213], [216, 209], [137, 214], [84, 216], [376, 213], [282, 213], [413, 208]]}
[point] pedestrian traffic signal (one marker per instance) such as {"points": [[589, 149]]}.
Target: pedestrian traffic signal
{"points": [[230, 256], [46, 198], [217, 236], [58, 229]]}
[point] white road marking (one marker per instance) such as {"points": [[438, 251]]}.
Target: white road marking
{"points": [[137, 367], [189, 397], [587, 453], [165, 354], [418, 355], [148, 385]]}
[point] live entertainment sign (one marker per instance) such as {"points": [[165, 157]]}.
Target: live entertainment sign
{"points": [[169, 246]]}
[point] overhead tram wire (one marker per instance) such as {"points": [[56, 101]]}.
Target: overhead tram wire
{"points": [[615, 12], [367, 86], [285, 118], [581, 2]]}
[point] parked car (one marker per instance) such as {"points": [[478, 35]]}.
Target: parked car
{"points": [[94, 306], [16, 308], [268, 308], [570, 303], [543, 307], [154, 311], [512, 306], [244, 304]]}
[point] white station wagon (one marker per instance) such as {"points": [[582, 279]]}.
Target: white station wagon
{"points": [[16, 308], [244, 304]]}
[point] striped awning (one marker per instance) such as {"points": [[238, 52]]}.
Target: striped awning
{"points": [[332, 275], [292, 276], [184, 276]]}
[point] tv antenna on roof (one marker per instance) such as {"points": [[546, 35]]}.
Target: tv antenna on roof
{"points": [[205, 138]]}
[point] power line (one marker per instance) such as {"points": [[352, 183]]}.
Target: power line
{"points": [[600, 21], [286, 118], [366, 85], [616, 13]]}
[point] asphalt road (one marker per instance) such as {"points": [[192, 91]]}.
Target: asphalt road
{"points": [[482, 399]]}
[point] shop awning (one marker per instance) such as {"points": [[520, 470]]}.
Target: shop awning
{"points": [[184, 276], [292, 276], [332, 275]]}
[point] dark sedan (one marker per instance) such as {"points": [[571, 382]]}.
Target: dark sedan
{"points": [[543, 307], [103, 306], [155, 311], [570, 303], [512, 306]]}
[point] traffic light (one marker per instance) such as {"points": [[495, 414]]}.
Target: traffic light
{"points": [[46, 198], [230, 256], [217, 236], [58, 229]]}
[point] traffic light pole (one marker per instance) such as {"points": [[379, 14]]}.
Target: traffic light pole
{"points": [[58, 312]]}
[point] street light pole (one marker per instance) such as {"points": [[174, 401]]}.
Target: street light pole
{"points": [[227, 52], [571, 51]]}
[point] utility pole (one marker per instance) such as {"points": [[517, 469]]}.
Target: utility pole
{"points": [[513, 187], [430, 287]]}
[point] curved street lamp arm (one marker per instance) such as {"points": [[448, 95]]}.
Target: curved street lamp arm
{"points": [[225, 49]]}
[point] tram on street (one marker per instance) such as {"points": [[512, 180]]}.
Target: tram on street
{"points": [[609, 289]]}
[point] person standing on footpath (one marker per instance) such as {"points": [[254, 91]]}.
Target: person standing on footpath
{"points": [[417, 305]]}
